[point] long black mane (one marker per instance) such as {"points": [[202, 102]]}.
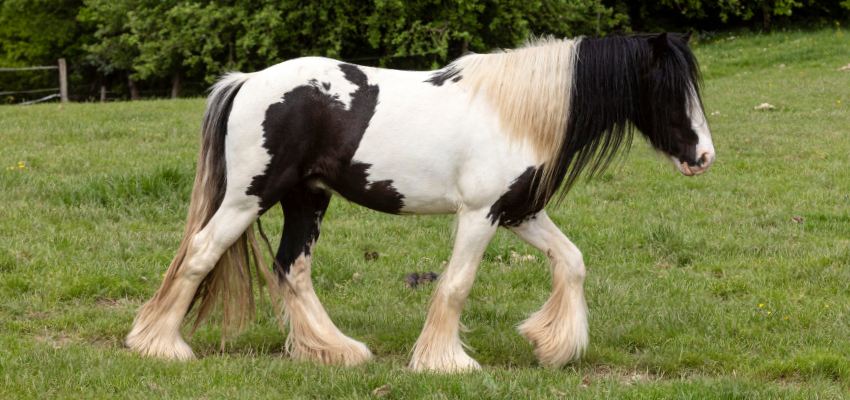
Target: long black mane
{"points": [[620, 84]]}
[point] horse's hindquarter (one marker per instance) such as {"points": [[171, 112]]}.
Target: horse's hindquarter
{"points": [[388, 140]]}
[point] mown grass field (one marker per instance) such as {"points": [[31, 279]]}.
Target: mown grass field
{"points": [[697, 287]]}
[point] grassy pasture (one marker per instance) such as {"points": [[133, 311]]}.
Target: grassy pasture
{"points": [[697, 287]]}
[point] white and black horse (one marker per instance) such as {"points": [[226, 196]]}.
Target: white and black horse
{"points": [[491, 138]]}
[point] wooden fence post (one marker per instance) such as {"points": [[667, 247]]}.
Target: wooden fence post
{"points": [[176, 84], [63, 81]]}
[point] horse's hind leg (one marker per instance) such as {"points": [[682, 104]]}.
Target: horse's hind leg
{"points": [[439, 347], [156, 330], [559, 330], [312, 334]]}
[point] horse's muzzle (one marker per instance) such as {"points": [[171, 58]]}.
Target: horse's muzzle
{"points": [[705, 160]]}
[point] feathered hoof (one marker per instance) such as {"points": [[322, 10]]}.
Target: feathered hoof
{"points": [[173, 348], [444, 362], [346, 351], [557, 340]]}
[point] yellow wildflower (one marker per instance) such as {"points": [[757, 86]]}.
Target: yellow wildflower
{"points": [[768, 313]]}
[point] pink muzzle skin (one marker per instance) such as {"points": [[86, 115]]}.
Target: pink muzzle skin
{"points": [[705, 161]]}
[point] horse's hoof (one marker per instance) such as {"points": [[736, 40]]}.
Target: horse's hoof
{"points": [[450, 364], [349, 352], [174, 348]]}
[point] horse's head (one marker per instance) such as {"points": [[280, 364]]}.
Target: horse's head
{"points": [[672, 116]]}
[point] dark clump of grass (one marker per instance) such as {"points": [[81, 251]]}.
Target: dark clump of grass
{"points": [[94, 287], [667, 242], [8, 260], [15, 285], [161, 184], [809, 366]]}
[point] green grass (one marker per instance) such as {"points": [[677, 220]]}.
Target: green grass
{"points": [[697, 287]]}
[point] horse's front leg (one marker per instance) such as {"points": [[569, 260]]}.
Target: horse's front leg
{"points": [[439, 347], [559, 330]]}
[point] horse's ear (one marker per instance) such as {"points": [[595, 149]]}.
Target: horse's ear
{"points": [[687, 37], [659, 48]]}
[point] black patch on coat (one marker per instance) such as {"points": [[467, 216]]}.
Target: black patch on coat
{"points": [[519, 202], [326, 85], [642, 81], [312, 136], [440, 77], [303, 210]]}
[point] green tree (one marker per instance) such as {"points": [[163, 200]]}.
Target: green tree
{"points": [[205, 38], [722, 10], [114, 49]]}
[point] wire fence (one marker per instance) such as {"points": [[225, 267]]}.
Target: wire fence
{"points": [[45, 98], [29, 91], [29, 68], [97, 89], [149, 90], [62, 89]]}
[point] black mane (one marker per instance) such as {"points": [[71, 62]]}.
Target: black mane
{"points": [[617, 80]]}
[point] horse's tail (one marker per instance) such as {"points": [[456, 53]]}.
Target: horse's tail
{"points": [[231, 279], [211, 173]]}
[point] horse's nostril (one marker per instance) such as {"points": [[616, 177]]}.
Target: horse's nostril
{"points": [[704, 159]]}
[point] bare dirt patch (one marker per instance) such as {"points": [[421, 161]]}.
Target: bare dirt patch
{"points": [[57, 340], [623, 376], [37, 316], [110, 303]]}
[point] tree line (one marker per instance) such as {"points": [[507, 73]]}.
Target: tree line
{"points": [[178, 47]]}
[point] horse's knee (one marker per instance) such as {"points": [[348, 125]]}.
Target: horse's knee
{"points": [[571, 260], [576, 268]]}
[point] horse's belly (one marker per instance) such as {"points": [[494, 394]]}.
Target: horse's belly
{"points": [[407, 191], [418, 146]]}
